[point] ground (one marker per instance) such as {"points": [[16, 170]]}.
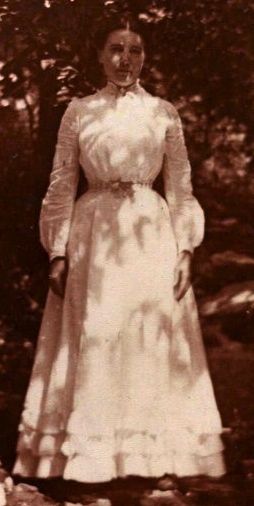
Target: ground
{"points": [[232, 369], [234, 490]]}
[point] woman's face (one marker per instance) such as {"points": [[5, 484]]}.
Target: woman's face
{"points": [[122, 57]]}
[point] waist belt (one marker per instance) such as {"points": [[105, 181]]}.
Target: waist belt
{"points": [[117, 186]]}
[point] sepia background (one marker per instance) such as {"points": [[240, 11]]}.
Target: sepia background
{"points": [[199, 57]]}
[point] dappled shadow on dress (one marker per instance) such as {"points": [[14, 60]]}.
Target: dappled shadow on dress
{"points": [[125, 374], [118, 314]]}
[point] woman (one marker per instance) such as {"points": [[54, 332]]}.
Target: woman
{"points": [[120, 384]]}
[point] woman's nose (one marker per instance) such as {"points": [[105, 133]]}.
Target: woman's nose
{"points": [[125, 57]]}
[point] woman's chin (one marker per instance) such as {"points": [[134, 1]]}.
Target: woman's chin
{"points": [[124, 80]]}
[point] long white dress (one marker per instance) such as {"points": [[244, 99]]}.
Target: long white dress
{"points": [[120, 384]]}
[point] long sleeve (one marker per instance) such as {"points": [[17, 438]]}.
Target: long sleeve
{"points": [[57, 206], [187, 214]]}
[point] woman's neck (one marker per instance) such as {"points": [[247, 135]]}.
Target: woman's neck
{"points": [[118, 89], [125, 86]]}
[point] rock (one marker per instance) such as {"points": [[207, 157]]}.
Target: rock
{"points": [[167, 483], [223, 493], [68, 503], [234, 298], [231, 258], [91, 502], [8, 484], [3, 474], [3, 500], [80, 499], [25, 487], [27, 495], [164, 498]]}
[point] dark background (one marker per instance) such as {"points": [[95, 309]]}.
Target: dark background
{"points": [[199, 57]]}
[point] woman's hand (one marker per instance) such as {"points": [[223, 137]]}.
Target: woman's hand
{"points": [[182, 274], [57, 275]]}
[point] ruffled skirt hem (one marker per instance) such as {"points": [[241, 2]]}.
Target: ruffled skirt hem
{"points": [[103, 458], [84, 468]]}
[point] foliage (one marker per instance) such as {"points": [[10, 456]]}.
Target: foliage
{"points": [[199, 56]]}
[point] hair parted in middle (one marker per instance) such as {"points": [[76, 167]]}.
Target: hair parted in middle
{"points": [[118, 22]]}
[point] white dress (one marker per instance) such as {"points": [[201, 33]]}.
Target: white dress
{"points": [[120, 384]]}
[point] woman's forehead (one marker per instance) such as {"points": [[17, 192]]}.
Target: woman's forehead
{"points": [[124, 36]]}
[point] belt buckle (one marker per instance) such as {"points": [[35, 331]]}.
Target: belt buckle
{"points": [[115, 185], [121, 188]]}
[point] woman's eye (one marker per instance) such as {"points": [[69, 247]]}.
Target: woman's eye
{"points": [[120, 49], [116, 49], [136, 50]]}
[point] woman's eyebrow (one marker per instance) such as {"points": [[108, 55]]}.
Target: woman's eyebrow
{"points": [[121, 44], [116, 44]]}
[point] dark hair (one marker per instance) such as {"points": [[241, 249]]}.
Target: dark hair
{"points": [[99, 34], [118, 23]]}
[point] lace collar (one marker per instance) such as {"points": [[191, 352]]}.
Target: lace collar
{"points": [[120, 91]]}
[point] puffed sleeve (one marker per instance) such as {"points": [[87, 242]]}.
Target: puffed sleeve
{"points": [[57, 206], [187, 214]]}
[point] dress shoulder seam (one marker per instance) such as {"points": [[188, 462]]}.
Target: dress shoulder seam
{"points": [[170, 108]]}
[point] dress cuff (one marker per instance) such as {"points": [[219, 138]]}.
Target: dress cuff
{"points": [[57, 254], [184, 245]]}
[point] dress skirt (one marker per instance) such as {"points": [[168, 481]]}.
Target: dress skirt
{"points": [[120, 384]]}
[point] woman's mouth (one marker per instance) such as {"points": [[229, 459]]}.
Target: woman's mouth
{"points": [[123, 72]]}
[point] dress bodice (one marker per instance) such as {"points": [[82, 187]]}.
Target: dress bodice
{"points": [[117, 136], [121, 137]]}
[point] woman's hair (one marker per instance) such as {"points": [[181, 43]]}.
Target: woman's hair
{"points": [[98, 37], [117, 23]]}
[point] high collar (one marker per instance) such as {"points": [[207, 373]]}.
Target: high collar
{"points": [[112, 88]]}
